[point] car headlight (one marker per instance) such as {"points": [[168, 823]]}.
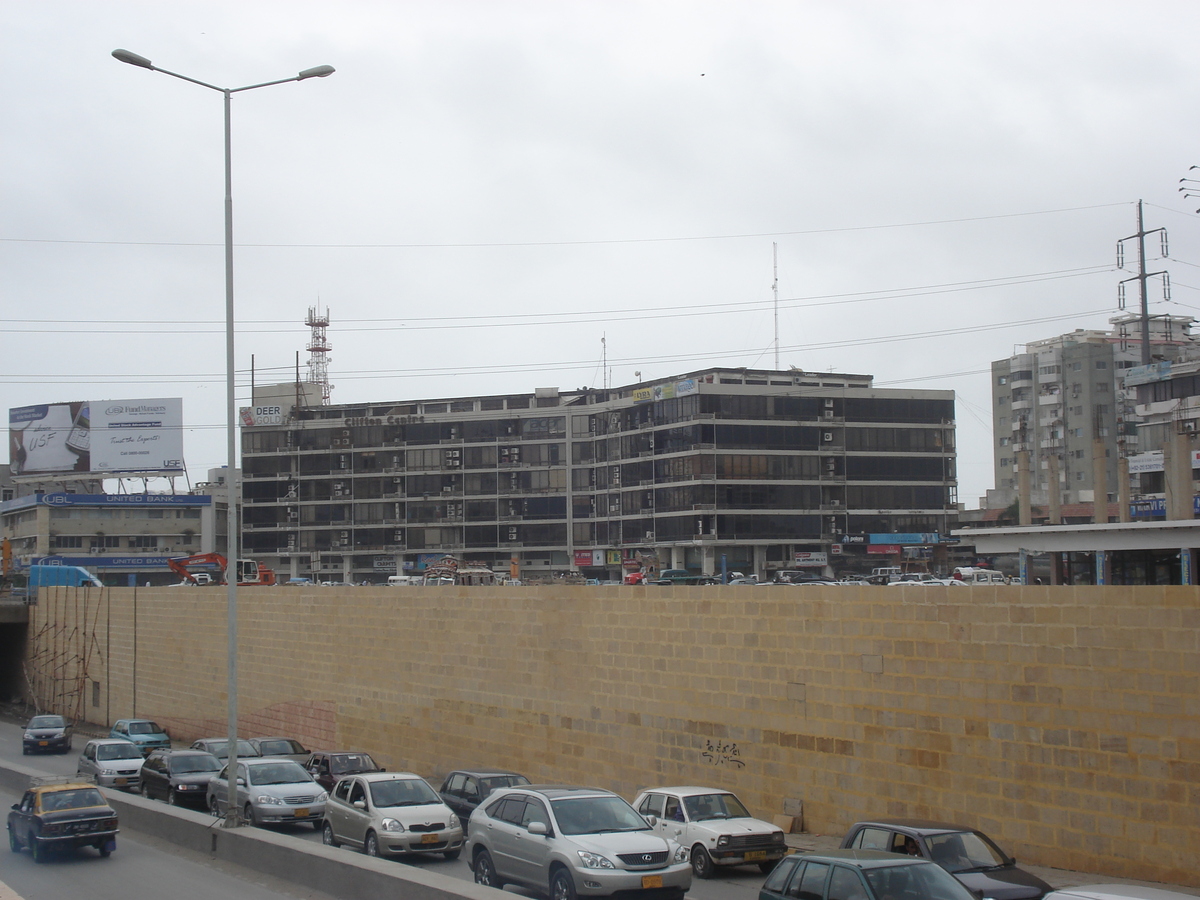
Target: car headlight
{"points": [[323, 796], [187, 787], [777, 837], [681, 854], [264, 800], [594, 860], [723, 841], [391, 825], [27, 736]]}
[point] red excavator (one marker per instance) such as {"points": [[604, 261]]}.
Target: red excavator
{"points": [[248, 571]]}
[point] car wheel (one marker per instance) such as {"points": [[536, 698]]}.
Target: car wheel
{"points": [[702, 864], [485, 871], [214, 806], [371, 846], [767, 866], [13, 844], [248, 815], [452, 854], [562, 887], [106, 849], [327, 837], [37, 851], [144, 790], [172, 798]]}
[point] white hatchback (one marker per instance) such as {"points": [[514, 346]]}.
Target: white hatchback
{"points": [[715, 825], [391, 814]]}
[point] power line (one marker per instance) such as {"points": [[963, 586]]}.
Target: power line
{"points": [[595, 242]]}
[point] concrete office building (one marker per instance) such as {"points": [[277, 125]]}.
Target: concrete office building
{"points": [[756, 470], [1064, 399]]}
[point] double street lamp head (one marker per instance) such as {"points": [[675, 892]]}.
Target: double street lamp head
{"points": [[134, 60]]}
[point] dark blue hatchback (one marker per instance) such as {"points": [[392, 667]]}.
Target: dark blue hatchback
{"points": [[859, 875]]}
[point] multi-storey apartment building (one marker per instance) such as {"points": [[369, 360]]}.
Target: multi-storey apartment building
{"points": [[742, 467], [1063, 394]]}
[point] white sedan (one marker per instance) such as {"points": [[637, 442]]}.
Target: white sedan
{"points": [[714, 825]]}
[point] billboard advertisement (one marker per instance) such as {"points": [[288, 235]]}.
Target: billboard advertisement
{"points": [[97, 437]]}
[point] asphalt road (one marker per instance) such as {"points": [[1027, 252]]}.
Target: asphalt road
{"points": [[150, 856]]}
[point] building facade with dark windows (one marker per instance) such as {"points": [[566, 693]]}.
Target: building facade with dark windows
{"points": [[716, 470]]}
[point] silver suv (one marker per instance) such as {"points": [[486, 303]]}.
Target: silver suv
{"points": [[574, 842]]}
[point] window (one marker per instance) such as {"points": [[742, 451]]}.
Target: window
{"points": [[1000, 401], [1003, 379], [779, 875], [811, 883], [846, 885], [67, 542], [1101, 387], [1101, 364], [143, 541], [652, 805]]}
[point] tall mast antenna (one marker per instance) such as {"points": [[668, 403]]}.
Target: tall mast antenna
{"points": [[604, 359], [775, 290], [318, 350]]}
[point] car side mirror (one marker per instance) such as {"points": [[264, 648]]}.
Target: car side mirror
{"points": [[17, 807], [538, 828], [382, 769], [241, 782], [359, 804], [653, 820]]}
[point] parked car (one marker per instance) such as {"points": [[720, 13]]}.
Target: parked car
{"points": [[328, 767], [145, 733], [58, 813], [573, 842], [1116, 892], [967, 854], [860, 874], [465, 789], [111, 763], [179, 776], [47, 734], [219, 747], [714, 825], [391, 814], [281, 746], [270, 791]]}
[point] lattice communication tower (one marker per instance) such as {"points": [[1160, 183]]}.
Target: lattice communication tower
{"points": [[318, 347]]}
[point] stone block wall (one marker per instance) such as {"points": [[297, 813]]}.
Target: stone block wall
{"points": [[1063, 721]]}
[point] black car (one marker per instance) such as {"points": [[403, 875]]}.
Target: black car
{"points": [[859, 875], [465, 789], [58, 813], [51, 734], [328, 767], [967, 854], [179, 776]]}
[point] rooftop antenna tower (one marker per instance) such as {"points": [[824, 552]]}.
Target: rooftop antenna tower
{"points": [[318, 347]]}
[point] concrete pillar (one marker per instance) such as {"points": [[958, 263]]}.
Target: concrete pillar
{"points": [[1056, 568], [760, 561], [1177, 476], [708, 559], [1023, 566], [1054, 489], [677, 558], [1099, 481], [1124, 499], [1026, 508]]}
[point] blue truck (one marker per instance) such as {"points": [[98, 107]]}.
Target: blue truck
{"points": [[68, 576]]}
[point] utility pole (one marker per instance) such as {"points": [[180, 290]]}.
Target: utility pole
{"points": [[1141, 277]]}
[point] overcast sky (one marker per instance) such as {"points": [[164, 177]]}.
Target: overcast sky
{"points": [[486, 190]]}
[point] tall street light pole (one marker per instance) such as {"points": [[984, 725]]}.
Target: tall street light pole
{"points": [[232, 482]]}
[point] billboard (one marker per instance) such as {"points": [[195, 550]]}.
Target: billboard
{"points": [[96, 437]]}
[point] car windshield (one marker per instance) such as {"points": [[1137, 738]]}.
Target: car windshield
{"points": [[278, 773], [123, 750], [279, 748], [495, 782], [187, 765], [593, 815], [144, 728], [714, 806], [964, 851], [352, 762], [77, 799], [403, 792], [220, 748], [47, 722], [920, 880]]}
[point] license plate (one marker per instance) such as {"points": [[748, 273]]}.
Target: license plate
{"points": [[43, 743], [301, 813], [651, 881], [430, 839], [121, 781], [756, 854]]}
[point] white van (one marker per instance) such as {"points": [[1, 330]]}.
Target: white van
{"points": [[973, 575], [403, 580]]}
